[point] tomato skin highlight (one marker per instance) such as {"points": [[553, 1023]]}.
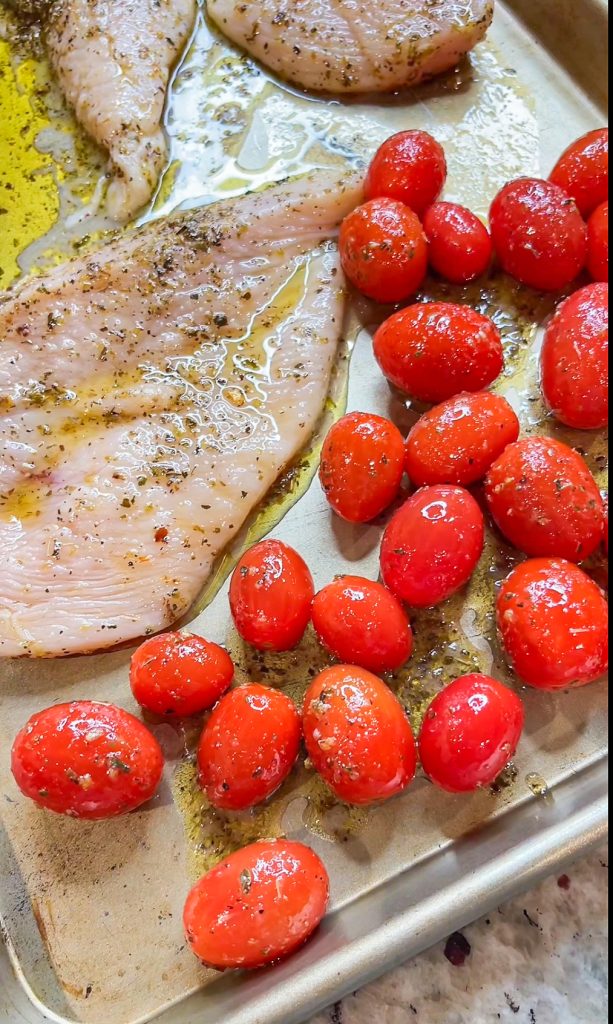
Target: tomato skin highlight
{"points": [[410, 167], [470, 733], [179, 674], [598, 243], [460, 247], [457, 442], [358, 736], [87, 760], [432, 545], [384, 251], [435, 350], [542, 608], [362, 463], [270, 596], [258, 906], [583, 170], [545, 501], [575, 360], [362, 623], [538, 234]]}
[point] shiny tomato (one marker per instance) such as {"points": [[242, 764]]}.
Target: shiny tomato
{"points": [[87, 760], [575, 360], [554, 624], [384, 250], [459, 245], [257, 907], [361, 466], [583, 170], [432, 546], [270, 596], [436, 350], [410, 167], [179, 674], [470, 733], [362, 623], [598, 243], [539, 234], [358, 735], [457, 442], [544, 499]]}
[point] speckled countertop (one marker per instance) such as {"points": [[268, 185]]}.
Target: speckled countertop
{"points": [[541, 959]]}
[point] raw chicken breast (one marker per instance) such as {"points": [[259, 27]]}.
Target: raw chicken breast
{"points": [[354, 46], [150, 395]]}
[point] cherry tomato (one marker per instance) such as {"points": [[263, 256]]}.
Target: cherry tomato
{"points": [[384, 250], [362, 623], [248, 747], [436, 350], [583, 170], [362, 466], [179, 674], [87, 760], [410, 167], [457, 442], [598, 243], [258, 906], [270, 596], [539, 234], [575, 360], [544, 499], [470, 733], [432, 545], [554, 624], [358, 736], [460, 246]]}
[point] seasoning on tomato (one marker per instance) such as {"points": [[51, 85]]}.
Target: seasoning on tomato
{"points": [[460, 248], [554, 624], [575, 360], [358, 735], [410, 167], [270, 596], [583, 170], [384, 250], [362, 623], [362, 463], [457, 442], [258, 906], [539, 235], [179, 674], [544, 499], [470, 733], [598, 243], [248, 748], [87, 760], [432, 545], [435, 350]]}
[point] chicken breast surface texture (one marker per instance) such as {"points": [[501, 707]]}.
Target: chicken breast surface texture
{"points": [[150, 395], [353, 46]]}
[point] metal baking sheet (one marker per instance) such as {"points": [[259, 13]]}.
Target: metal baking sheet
{"points": [[91, 914]]}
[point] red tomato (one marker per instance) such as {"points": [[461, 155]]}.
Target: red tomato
{"points": [[598, 243], [436, 350], [470, 733], [575, 360], [554, 624], [179, 674], [87, 760], [544, 499], [362, 623], [460, 247], [362, 463], [539, 234], [432, 545], [270, 596], [248, 747], [410, 167], [384, 250], [358, 736], [257, 907], [457, 442], [583, 170]]}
